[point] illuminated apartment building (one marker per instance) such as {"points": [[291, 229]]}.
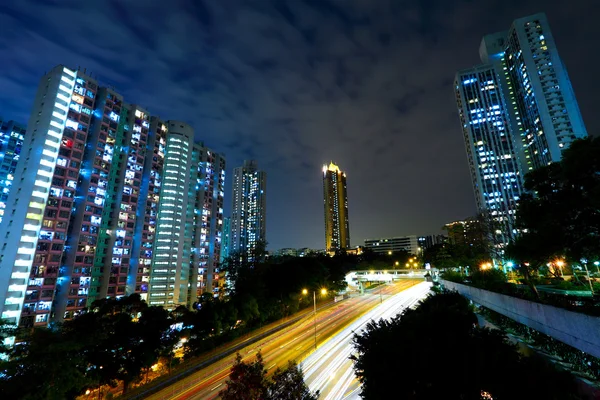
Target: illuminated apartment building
{"points": [[335, 199], [394, 244], [493, 156], [81, 218], [34, 230], [518, 112], [249, 209], [147, 212], [12, 135], [189, 222]]}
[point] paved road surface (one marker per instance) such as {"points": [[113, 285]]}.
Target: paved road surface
{"points": [[330, 371], [293, 343]]}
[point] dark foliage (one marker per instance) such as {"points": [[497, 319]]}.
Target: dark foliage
{"points": [[249, 381], [438, 351]]}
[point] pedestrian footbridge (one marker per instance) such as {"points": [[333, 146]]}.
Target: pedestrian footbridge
{"points": [[357, 278]]}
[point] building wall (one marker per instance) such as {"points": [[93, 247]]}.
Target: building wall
{"points": [[226, 239], [575, 329], [335, 199], [488, 134], [550, 116], [518, 112], [248, 216], [28, 270], [12, 135], [385, 245], [82, 215], [185, 258]]}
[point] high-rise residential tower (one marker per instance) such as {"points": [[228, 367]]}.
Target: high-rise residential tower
{"points": [[518, 112], [249, 209], [12, 135], [335, 199], [81, 218], [493, 156], [189, 222]]}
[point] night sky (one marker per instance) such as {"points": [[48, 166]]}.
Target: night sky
{"points": [[295, 84]]}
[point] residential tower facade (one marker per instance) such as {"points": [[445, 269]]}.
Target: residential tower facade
{"points": [[335, 200], [249, 209]]}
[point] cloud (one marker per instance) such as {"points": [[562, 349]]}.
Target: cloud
{"points": [[294, 84]]}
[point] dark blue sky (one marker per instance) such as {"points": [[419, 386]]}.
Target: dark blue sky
{"points": [[295, 84]]}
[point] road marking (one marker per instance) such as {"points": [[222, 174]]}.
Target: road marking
{"points": [[216, 387]]}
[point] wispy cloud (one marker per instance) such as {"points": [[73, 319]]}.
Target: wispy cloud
{"points": [[295, 83]]}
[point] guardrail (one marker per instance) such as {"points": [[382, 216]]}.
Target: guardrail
{"points": [[575, 329]]}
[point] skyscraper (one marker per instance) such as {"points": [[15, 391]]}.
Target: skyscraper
{"points": [[545, 101], [12, 135], [81, 218], [518, 112], [335, 199], [249, 209], [189, 222], [493, 159]]}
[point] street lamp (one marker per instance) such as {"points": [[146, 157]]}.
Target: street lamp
{"points": [[389, 253], [560, 264], [597, 263], [323, 293], [584, 262]]}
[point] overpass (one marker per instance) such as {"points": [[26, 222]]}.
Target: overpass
{"points": [[357, 278]]}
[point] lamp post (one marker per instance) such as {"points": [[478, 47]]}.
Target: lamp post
{"points": [[597, 263], [560, 264], [323, 292], [584, 262]]}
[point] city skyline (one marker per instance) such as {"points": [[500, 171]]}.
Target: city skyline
{"points": [[367, 116]]}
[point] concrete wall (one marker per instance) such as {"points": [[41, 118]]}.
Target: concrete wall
{"points": [[578, 330]]}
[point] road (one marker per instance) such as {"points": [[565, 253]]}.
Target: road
{"points": [[293, 343], [330, 370]]}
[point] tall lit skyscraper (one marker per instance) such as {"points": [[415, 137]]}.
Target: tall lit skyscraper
{"points": [[12, 135], [249, 209], [493, 161], [82, 215], [335, 198], [518, 112], [189, 222]]}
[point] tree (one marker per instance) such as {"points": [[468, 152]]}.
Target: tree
{"points": [[438, 351], [288, 384], [47, 365], [248, 381], [560, 214]]}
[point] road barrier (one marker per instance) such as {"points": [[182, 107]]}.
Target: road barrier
{"points": [[575, 329]]}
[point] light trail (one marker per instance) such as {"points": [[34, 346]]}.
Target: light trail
{"points": [[295, 342], [329, 368]]}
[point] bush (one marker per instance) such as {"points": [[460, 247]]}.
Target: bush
{"points": [[453, 276], [490, 279]]}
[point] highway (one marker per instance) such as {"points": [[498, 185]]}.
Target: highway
{"points": [[295, 342], [330, 370]]}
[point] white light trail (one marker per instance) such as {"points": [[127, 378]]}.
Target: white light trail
{"points": [[329, 369]]}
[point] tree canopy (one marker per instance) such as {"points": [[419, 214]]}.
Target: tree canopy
{"points": [[249, 381], [560, 214], [438, 351]]}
